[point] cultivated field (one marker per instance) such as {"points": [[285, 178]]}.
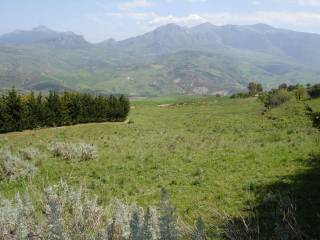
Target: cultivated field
{"points": [[213, 155]]}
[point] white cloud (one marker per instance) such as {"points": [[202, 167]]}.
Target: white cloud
{"points": [[191, 19], [196, 1], [140, 22], [306, 2], [284, 18], [135, 4]]}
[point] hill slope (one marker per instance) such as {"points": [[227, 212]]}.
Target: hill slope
{"points": [[222, 152], [205, 59]]}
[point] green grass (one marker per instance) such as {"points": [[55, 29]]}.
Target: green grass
{"points": [[210, 153]]}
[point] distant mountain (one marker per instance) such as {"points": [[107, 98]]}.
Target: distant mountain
{"points": [[43, 35], [302, 47], [204, 59]]}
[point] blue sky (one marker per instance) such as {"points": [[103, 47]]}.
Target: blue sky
{"points": [[101, 19]]}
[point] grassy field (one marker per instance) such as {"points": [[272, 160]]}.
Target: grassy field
{"points": [[211, 154]]}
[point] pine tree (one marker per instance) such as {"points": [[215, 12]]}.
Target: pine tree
{"points": [[167, 220], [40, 110], [199, 233], [3, 117], [13, 111], [53, 109], [124, 107], [31, 118]]}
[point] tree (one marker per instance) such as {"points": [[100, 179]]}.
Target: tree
{"points": [[167, 220], [314, 91], [300, 92], [3, 117], [283, 86], [275, 98], [53, 109], [29, 111], [255, 88], [200, 231], [13, 110], [33, 111]]}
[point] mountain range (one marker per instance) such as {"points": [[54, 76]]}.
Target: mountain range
{"points": [[205, 59]]}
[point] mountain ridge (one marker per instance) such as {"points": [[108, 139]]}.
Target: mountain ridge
{"points": [[202, 60]]}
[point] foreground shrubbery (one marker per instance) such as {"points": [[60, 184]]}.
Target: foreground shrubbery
{"points": [[16, 166], [276, 219], [29, 112], [72, 214], [73, 151], [314, 116]]}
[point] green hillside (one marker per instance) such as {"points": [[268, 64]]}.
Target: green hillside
{"points": [[213, 155], [171, 60], [186, 72]]}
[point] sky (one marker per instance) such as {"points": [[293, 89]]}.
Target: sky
{"points": [[98, 20]]}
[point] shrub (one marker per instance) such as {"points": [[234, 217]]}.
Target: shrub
{"points": [[275, 98], [73, 151], [314, 116], [72, 214], [13, 167], [314, 91], [199, 232], [281, 225], [29, 153], [240, 95]]}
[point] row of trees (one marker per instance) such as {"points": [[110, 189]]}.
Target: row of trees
{"points": [[20, 112]]}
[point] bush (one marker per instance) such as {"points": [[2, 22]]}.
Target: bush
{"points": [[314, 116], [13, 167], [314, 91], [72, 214], [275, 98], [29, 153], [73, 151], [240, 95]]}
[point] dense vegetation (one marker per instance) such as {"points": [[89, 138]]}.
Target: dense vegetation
{"points": [[19, 112], [71, 213]]}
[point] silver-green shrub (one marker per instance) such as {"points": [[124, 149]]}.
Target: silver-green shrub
{"points": [[14, 167], [73, 151], [29, 153], [71, 214]]}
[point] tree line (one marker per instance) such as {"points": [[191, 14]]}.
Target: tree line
{"points": [[20, 112], [280, 95]]}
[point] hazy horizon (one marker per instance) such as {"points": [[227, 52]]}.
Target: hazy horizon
{"points": [[100, 20]]}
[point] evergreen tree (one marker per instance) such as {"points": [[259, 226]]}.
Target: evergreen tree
{"points": [[3, 118], [40, 110], [13, 111], [53, 110], [124, 107], [31, 112], [200, 231], [167, 220]]}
